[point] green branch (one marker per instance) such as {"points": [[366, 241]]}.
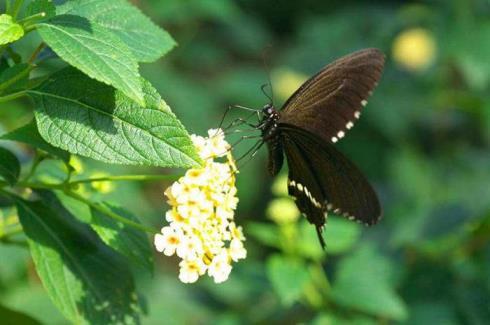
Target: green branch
{"points": [[36, 52], [141, 178], [13, 96], [38, 158], [14, 10], [67, 187]]}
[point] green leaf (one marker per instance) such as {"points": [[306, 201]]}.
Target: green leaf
{"points": [[363, 282], [9, 316], [341, 235], [147, 41], [88, 118], [29, 134], [9, 166], [87, 281], [15, 77], [325, 318], [41, 6], [95, 51], [288, 277], [267, 234], [9, 31], [308, 244], [128, 241]]}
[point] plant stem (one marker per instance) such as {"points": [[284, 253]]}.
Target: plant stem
{"points": [[128, 178], [65, 185], [41, 186], [26, 20], [102, 209], [16, 78], [16, 8], [38, 158], [36, 52], [13, 96]]}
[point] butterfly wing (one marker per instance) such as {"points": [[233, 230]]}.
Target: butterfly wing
{"points": [[322, 179], [329, 103]]}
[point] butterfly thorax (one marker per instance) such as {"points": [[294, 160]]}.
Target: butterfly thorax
{"points": [[271, 136]]}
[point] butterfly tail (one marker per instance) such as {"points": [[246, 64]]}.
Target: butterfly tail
{"points": [[319, 230]]}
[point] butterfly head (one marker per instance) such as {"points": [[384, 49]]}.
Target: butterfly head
{"points": [[268, 110]]}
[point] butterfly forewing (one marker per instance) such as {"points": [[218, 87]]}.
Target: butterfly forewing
{"points": [[331, 179], [329, 103]]}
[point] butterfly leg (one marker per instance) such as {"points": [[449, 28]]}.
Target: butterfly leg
{"points": [[230, 107]]}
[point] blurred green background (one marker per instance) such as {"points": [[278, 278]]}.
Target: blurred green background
{"points": [[423, 142]]}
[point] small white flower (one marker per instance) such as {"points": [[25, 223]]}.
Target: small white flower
{"points": [[220, 267], [188, 211], [189, 248], [190, 270], [202, 232], [181, 192], [168, 241], [236, 232], [237, 251], [224, 213]]}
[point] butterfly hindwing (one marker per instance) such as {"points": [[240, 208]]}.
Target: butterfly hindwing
{"points": [[329, 103], [332, 179], [304, 187]]}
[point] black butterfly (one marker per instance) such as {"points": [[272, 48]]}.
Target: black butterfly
{"points": [[316, 116]]}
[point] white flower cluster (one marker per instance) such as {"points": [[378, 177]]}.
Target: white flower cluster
{"points": [[202, 231]]}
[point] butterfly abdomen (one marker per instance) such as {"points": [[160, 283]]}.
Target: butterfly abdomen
{"points": [[271, 136], [276, 156]]}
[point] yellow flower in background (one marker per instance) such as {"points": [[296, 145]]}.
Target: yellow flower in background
{"points": [[76, 164], [203, 202], [286, 81], [280, 185], [103, 186], [283, 210], [414, 49]]}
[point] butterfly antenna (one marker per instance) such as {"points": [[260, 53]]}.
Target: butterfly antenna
{"points": [[265, 93], [268, 73]]}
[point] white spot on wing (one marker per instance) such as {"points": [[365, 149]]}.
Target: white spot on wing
{"points": [[341, 134], [349, 125], [357, 114], [299, 187], [334, 139], [363, 102]]}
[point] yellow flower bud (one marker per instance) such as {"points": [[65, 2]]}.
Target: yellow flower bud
{"points": [[283, 210], [76, 164], [414, 49], [103, 186]]}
